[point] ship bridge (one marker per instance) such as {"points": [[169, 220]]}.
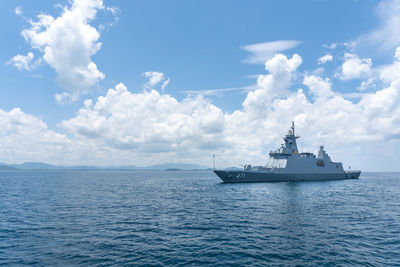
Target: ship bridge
{"points": [[290, 146]]}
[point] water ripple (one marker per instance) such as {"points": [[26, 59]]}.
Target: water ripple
{"points": [[190, 218]]}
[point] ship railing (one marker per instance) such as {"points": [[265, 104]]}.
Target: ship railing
{"points": [[279, 154]]}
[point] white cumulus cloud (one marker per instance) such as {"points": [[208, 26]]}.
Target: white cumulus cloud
{"points": [[319, 87], [67, 44], [369, 83], [27, 138], [281, 71], [18, 11], [391, 72], [22, 62], [397, 54], [155, 78], [324, 59], [150, 122], [354, 67]]}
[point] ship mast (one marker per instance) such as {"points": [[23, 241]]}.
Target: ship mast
{"points": [[290, 141], [293, 128]]}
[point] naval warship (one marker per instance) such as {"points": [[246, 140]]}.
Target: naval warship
{"points": [[287, 164]]}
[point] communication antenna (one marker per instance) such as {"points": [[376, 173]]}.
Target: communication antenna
{"points": [[213, 161], [293, 128]]}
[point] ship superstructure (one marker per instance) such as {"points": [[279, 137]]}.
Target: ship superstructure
{"points": [[287, 164]]}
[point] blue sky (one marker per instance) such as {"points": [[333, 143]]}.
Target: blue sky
{"points": [[193, 75]]}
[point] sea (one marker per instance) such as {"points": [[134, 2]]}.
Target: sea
{"points": [[190, 218]]}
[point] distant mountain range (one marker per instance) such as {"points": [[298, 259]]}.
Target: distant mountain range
{"points": [[5, 167], [157, 167]]}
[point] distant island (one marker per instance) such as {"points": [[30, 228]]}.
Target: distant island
{"points": [[157, 167], [5, 167]]}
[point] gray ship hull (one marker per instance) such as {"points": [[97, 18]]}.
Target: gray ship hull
{"points": [[260, 176]]}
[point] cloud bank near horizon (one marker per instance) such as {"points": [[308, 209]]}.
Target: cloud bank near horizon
{"points": [[122, 127]]}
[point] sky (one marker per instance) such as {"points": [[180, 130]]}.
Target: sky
{"points": [[92, 82]]}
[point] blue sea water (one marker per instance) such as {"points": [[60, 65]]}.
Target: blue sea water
{"points": [[190, 218]]}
